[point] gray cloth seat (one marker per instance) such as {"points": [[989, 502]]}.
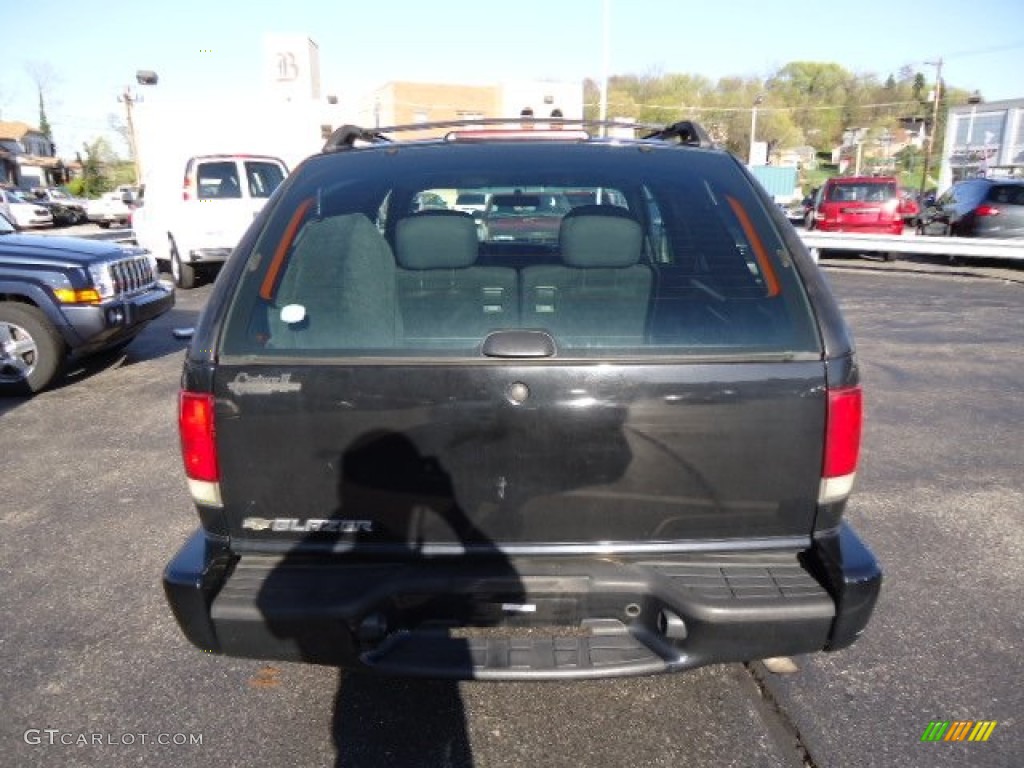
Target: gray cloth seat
{"points": [[444, 299], [599, 295], [341, 274]]}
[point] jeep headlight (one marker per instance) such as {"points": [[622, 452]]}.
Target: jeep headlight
{"points": [[102, 279]]}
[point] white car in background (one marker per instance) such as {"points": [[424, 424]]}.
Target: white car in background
{"points": [[112, 208], [472, 202], [22, 213]]}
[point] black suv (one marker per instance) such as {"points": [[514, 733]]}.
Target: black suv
{"points": [[416, 450]]}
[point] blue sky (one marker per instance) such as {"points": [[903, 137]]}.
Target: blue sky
{"points": [[202, 48]]}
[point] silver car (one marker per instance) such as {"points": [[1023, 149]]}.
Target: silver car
{"points": [[22, 213]]}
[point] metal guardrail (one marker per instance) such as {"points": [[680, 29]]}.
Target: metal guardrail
{"points": [[958, 247]]}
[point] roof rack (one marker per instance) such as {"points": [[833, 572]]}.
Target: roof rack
{"points": [[685, 132], [346, 137]]}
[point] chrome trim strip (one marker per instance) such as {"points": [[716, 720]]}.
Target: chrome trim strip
{"points": [[270, 544]]}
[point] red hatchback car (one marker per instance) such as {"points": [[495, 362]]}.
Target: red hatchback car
{"points": [[864, 204]]}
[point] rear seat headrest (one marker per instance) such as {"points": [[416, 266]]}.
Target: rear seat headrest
{"points": [[436, 240], [600, 236]]}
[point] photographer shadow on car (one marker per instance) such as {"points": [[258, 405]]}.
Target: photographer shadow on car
{"points": [[405, 609]]}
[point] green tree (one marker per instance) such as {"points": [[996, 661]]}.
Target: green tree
{"points": [[919, 86], [98, 157], [803, 102]]}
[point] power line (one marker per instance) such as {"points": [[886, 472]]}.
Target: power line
{"points": [[981, 51], [760, 108], [974, 52], [685, 108]]}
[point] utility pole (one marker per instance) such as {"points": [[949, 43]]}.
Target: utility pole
{"points": [[753, 128], [606, 44], [129, 99], [935, 121]]}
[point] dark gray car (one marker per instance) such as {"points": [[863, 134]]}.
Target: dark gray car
{"points": [[977, 208]]}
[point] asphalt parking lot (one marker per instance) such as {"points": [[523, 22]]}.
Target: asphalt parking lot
{"points": [[95, 504]]}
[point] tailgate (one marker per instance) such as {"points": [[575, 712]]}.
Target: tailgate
{"points": [[477, 455], [856, 214]]}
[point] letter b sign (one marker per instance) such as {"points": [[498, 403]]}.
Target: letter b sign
{"points": [[287, 69]]}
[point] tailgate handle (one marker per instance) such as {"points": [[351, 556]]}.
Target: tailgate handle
{"points": [[519, 344]]}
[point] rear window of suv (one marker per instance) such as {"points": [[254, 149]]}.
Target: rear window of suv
{"points": [[365, 255], [1011, 194], [861, 192]]}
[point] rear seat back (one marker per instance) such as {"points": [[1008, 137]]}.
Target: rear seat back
{"points": [[443, 298], [599, 295], [339, 287]]}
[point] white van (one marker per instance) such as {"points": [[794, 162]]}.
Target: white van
{"points": [[192, 215]]}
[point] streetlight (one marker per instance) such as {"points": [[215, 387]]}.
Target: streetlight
{"points": [[937, 93], [974, 100], [886, 140], [129, 99], [852, 137], [753, 127]]}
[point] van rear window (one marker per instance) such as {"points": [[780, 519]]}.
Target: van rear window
{"points": [[218, 180], [263, 177]]}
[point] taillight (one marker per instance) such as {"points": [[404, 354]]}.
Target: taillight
{"points": [[186, 193], [986, 210], [843, 422], [198, 448]]}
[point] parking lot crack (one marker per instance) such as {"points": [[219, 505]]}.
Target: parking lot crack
{"points": [[779, 726]]}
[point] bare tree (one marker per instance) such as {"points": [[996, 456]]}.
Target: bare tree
{"points": [[117, 124], [42, 74], [43, 77]]}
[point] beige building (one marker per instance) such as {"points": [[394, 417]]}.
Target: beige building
{"points": [[408, 103]]}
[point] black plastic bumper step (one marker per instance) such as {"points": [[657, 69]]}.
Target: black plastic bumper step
{"points": [[608, 650]]}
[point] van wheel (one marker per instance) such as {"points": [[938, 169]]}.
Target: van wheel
{"points": [[184, 274], [31, 350]]}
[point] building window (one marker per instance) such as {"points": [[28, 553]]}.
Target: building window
{"points": [[980, 128]]}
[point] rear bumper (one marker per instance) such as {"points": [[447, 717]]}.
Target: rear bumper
{"points": [[207, 255], [109, 217], [527, 618], [896, 228]]}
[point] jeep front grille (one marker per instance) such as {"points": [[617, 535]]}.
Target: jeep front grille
{"points": [[131, 275]]}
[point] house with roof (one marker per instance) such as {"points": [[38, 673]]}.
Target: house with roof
{"points": [[27, 157]]}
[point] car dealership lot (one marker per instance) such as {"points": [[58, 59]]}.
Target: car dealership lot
{"points": [[95, 504]]}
